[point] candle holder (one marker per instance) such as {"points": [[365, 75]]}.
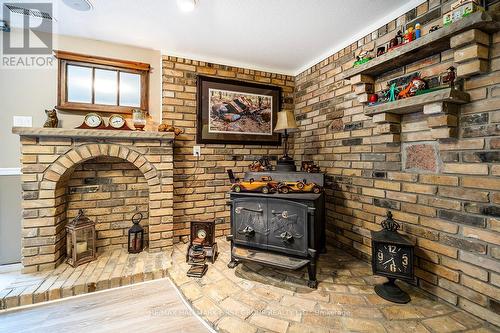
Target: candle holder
{"points": [[139, 119], [136, 235], [80, 240]]}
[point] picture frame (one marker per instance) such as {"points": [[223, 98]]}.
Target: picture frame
{"points": [[236, 112]]}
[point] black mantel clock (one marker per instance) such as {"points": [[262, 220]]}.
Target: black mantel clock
{"points": [[392, 257]]}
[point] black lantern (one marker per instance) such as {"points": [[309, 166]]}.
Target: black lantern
{"points": [[80, 240], [136, 235], [392, 257]]}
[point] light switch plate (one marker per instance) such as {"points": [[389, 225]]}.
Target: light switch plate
{"points": [[22, 121], [196, 151]]}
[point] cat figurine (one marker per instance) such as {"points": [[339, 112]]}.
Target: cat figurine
{"points": [[52, 120]]}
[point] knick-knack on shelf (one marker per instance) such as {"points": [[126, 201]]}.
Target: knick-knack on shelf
{"points": [[418, 31], [52, 120]]}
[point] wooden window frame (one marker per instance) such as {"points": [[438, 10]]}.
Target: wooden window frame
{"points": [[69, 58]]}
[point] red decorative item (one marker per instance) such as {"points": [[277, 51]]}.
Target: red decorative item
{"points": [[373, 98]]}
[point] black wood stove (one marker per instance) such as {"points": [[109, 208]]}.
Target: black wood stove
{"points": [[280, 230]]}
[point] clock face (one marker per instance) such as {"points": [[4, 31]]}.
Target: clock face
{"points": [[201, 234], [93, 120], [116, 121], [393, 260]]}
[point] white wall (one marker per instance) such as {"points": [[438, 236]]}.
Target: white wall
{"points": [[28, 92]]}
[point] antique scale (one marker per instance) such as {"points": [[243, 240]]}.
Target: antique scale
{"points": [[392, 257]]}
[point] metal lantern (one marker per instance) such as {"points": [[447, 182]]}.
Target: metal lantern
{"points": [[80, 240], [136, 235]]}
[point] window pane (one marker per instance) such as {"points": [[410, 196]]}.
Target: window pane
{"points": [[106, 87], [130, 89], [79, 83]]}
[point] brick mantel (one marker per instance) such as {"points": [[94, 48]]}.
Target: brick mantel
{"points": [[50, 156]]}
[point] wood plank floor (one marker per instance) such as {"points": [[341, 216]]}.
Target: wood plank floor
{"points": [[146, 307]]}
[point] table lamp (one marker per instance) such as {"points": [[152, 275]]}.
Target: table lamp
{"points": [[286, 124]]}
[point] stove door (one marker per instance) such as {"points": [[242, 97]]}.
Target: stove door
{"points": [[288, 222], [249, 222]]}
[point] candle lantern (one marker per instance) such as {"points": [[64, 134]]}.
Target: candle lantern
{"points": [[136, 235], [80, 240]]}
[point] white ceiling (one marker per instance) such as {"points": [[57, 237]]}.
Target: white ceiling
{"points": [[283, 36]]}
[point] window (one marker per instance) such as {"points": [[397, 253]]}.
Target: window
{"points": [[101, 84]]}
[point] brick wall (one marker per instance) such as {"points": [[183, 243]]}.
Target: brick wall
{"points": [[56, 164], [110, 191], [200, 186], [449, 194]]}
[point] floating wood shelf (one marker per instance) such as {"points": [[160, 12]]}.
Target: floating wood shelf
{"points": [[416, 103], [430, 44]]}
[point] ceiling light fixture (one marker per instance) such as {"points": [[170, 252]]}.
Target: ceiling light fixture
{"points": [[80, 5], [186, 5]]}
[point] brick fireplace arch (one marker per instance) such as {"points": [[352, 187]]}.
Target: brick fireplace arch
{"points": [[50, 156]]}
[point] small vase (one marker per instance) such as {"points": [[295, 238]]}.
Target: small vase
{"points": [[138, 119]]}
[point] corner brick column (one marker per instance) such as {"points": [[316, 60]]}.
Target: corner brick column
{"points": [[49, 157]]}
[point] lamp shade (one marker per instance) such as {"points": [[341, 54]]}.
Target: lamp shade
{"points": [[286, 121]]}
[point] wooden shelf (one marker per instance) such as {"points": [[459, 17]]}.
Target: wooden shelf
{"points": [[432, 43], [416, 103]]}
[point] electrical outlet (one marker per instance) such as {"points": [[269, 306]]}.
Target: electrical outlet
{"points": [[196, 150], [22, 121]]}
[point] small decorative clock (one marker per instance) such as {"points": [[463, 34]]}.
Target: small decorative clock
{"points": [[118, 122], [92, 121], [392, 257], [203, 234]]}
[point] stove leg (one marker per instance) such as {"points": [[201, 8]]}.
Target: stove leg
{"points": [[233, 263], [311, 270]]}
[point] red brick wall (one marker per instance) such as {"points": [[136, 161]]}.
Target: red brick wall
{"points": [[453, 215], [200, 186]]}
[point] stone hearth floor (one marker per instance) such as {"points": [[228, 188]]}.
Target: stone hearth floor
{"points": [[111, 269], [253, 298]]}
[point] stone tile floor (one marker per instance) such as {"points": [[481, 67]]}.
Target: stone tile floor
{"points": [[111, 269], [253, 298]]}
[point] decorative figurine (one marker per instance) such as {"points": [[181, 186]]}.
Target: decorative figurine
{"points": [[265, 185], [382, 96], [260, 165], [392, 257], [392, 93], [450, 76], [300, 186], [169, 128], [52, 120], [434, 28], [418, 31], [408, 37], [415, 85], [373, 99], [447, 19], [380, 50], [362, 58], [396, 41], [309, 166]]}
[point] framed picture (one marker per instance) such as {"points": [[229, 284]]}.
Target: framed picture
{"points": [[231, 111]]}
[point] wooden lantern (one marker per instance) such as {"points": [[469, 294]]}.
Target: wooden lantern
{"points": [[136, 235], [80, 240]]}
